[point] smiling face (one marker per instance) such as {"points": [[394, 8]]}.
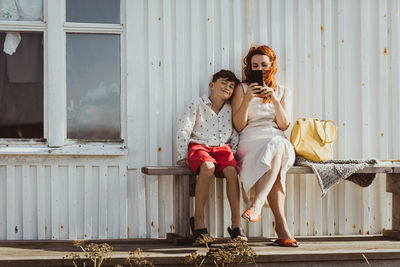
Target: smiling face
{"points": [[222, 88]]}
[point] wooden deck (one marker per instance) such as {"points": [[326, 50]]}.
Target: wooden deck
{"points": [[315, 251]]}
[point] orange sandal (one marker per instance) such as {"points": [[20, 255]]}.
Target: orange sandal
{"points": [[286, 242], [248, 215]]}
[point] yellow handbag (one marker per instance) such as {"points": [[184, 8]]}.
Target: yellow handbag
{"points": [[313, 138]]}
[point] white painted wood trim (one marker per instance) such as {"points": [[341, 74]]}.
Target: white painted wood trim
{"points": [[21, 26], [71, 27], [100, 149], [57, 119]]}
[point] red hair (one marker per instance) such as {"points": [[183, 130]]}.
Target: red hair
{"points": [[270, 75]]}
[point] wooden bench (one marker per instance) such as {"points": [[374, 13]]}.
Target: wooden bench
{"points": [[185, 183]]}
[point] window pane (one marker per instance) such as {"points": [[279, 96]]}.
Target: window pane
{"points": [[93, 86], [21, 85], [21, 10], [93, 11]]}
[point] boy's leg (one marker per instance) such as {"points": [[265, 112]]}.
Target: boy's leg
{"points": [[233, 193], [207, 169]]}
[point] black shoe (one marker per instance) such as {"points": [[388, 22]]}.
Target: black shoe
{"points": [[237, 232], [198, 232]]}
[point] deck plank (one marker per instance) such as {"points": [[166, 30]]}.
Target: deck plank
{"points": [[312, 250]]}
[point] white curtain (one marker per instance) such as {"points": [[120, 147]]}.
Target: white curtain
{"points": [[21, 9]]}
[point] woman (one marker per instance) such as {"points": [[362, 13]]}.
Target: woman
{"points": [[261, 114]]}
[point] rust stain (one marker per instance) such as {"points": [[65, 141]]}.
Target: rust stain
{"points": [[62, 226], [208, 19], [85, 236], [308, 56], [389, 203], [345, 220], [367, 232], [322, 28], [307, 224], [152, 224], [359, 231], [159, 149], [16, 229], [363, 84], [354, 226], [344, 124], [129, 231], [173, 227], [159, 19], [342, 41], [159, 63], [384, 15], [382, 134], [273, 224], [385, 51]]}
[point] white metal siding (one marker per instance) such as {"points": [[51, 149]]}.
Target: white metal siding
{"points": [[63, 197], [341, 59]]}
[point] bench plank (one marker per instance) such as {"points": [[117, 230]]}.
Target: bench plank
{"points": [[181, 170]]}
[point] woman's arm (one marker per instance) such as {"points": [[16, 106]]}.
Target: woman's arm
{"points": [[283, 109], [240, 104]]}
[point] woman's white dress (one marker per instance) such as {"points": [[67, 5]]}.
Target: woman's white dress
{"points": [[258, 143]]}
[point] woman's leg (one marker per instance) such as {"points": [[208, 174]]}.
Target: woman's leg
{"points": [[233, 193], [276, 200], [207, 169], [267, 181]]}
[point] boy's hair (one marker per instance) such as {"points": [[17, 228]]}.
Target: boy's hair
{"points": [[226, 74]]}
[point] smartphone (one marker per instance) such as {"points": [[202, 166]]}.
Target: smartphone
{"points": [[256, 76]]}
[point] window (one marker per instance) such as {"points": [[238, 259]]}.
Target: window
{"points": [[93, 86], [21, 85], [21, 69], [61, 71], [93, 11], [93, 69]]}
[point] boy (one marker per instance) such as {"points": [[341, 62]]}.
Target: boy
{"points": [[206, 141]]}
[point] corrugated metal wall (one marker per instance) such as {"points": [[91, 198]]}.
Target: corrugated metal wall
{"points": [[62, 197], [342, 60]]}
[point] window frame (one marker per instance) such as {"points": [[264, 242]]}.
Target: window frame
{"points": [[54, 25]]}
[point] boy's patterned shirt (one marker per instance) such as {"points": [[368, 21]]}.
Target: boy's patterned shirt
{"points": [[200, 124]]}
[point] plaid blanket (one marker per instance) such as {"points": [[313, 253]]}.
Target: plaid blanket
{"points": [[332, 172]]}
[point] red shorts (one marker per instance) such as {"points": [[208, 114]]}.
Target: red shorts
{"points": [[221, 156]]}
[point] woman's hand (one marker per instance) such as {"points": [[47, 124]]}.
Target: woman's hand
{"points": [[267, 92], [253, 90]]}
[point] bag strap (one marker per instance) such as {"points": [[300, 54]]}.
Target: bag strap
{"points": [[298, 137], [321, 130]]}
